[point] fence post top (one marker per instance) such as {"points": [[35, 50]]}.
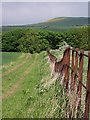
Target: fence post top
{"points": [[81, 52], [77, 49], [67, 48]]}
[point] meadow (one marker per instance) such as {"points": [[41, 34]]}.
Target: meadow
{"points": [[23, 95], [25, 90]]}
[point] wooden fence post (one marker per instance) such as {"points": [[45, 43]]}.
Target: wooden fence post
{"points": [[76, 67], [76, 64], [67, 65], [79, 88], [66, 73], [64, 63], [87, 100], [72, 71]]}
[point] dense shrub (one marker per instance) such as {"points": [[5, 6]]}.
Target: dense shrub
{"points": [[29, 40]]}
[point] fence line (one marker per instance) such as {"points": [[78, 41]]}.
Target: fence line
{"points": [[78, 57], [73, 76]]}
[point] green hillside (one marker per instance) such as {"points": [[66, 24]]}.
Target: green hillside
{"points": [[62, 24], [56, 24]]}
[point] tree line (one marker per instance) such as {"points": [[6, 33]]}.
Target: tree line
{"points": [[30, 40]]}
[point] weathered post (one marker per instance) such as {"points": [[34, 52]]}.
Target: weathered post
{"points": [[76, 68], [79, 89], [66, 66], [87, 100], [64, 63], [76, 63], [72, 71]]}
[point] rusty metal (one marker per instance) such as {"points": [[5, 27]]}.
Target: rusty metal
{"points": [[87, 100]]}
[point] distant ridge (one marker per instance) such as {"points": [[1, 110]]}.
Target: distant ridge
{"points": [[55, 24], [56, 19]]}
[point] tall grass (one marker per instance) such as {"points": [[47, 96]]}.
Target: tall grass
{"points": [[30, 98]]}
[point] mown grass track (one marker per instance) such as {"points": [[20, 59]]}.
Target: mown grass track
{"points": [[20, 88], [23, 92]]}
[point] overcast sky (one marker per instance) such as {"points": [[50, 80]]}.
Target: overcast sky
{"points": [[33, 12]]}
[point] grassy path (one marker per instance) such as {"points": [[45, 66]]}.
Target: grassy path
{"points": [[15, 67], [22, 91], [28, 90], [15, 86], [16, 74]]}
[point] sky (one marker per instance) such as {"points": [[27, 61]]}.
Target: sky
{"points": [[15, 13], [45, 0]]}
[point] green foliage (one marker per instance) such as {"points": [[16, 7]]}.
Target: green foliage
{"points": [[78, 38], [30, 40], [10, 40]]}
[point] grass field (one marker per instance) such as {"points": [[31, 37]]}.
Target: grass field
{"points": [[23, 94], [10, 57]]}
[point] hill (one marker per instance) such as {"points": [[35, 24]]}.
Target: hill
{"points": [[55, 24], [62, 23]]}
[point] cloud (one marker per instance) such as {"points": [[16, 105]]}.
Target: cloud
{"points": [[34, 12]]}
